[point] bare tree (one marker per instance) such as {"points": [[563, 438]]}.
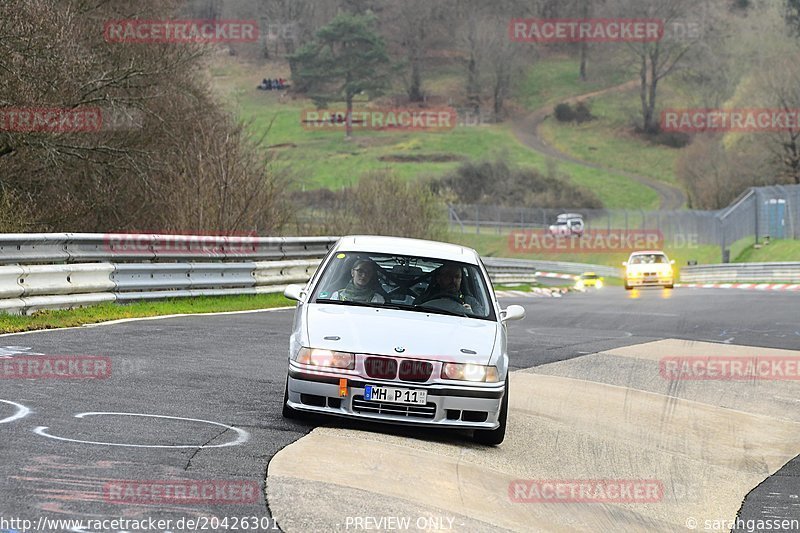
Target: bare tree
{"points": [[125, 175], [413, 28], [654, 61]]}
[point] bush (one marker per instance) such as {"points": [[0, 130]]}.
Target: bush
{"points": [[582, 113], [381, 203], [564, 113], [497, 183], [672, 139]]}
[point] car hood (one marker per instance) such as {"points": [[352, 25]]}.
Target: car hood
{"points": [[379, 331]]}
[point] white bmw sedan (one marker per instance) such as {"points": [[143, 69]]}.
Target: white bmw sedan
{"points": [[402, 331]]}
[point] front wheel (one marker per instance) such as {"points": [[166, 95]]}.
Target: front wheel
{"points": [[493, 437]]}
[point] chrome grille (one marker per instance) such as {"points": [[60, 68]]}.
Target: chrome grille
{"points": [[384, 408]]}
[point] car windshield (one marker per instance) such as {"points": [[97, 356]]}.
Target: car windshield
{"points": [[405, 282], [647, 259], [589, 276]]}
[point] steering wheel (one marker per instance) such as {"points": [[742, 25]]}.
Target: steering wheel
{"points": [[445, 296], [446, 302]]}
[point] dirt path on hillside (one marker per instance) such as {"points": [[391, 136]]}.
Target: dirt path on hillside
{"points": [[527, 132]]}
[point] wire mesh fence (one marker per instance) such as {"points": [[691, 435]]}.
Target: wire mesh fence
{"points": [[761, 213]]}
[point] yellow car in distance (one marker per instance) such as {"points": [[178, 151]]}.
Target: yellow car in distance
{"points": [[649, 269], [589, 279]]}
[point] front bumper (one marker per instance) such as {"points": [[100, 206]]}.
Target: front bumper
{"points": [[659, 281], [470, 406]]}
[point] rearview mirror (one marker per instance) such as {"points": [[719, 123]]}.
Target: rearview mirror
{"points": [[512, 312], [294, 292]]}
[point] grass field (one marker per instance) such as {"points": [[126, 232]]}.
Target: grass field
{"points": [[325, 159], [551, 81], [610, 141], [112, 311], [783, 250]]}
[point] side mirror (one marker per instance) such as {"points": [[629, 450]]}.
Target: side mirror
{"points": [[672, 262], [512, 312], [624, 263], [294, 292]]}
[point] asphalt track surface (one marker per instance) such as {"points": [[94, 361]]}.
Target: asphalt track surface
{"points": [[229, 370]]}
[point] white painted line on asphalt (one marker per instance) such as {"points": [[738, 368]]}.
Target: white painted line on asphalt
{"points": [[22, 412], [242, 435]]}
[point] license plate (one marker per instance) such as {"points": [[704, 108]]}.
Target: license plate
{"points": [[394, 395], [650, 280]]}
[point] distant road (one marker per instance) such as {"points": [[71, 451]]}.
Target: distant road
{"points": [[527, 131]]}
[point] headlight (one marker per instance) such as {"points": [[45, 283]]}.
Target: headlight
{"points": [[470, 372], [314, 356]]}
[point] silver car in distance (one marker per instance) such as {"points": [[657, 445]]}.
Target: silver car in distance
{"points": [[401, 331]]}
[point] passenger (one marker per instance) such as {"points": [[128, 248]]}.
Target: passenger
{"points": [[363, 287]]}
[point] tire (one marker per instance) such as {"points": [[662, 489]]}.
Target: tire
{"points": [[493, 437], [288, 412], [670, 286], [627, 287]]}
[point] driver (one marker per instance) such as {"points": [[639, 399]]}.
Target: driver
{"points": [[363, 285], [448, 285]]}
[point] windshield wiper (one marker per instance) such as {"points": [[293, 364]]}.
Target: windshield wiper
{"points": [[343, 302], [376, 305]]}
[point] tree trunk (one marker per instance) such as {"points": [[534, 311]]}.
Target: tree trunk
{"points": [[643, 90], [473, 86], [348, 123], [415, 89], [652, 125], [584, 46], [584, 52]]}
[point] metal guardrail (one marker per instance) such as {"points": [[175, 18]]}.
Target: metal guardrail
{"points": [[63, 270], [154, 267], [503, 265], [25, 289], [131, 267], [765, 272], [36, 248]]}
